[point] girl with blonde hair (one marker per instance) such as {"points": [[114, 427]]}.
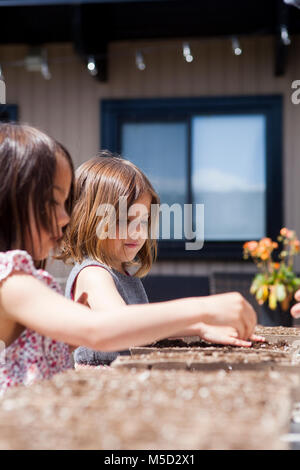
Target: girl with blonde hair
{"points": [[102, 234]]}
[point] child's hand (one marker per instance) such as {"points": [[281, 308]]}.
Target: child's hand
{"points": [[295, 310], [231, 309], [258, 338], [83, 299], [222, 335]]}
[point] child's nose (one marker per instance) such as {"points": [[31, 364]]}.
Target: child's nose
{"points": [[138, 231], [64, 218], [142, 231]]}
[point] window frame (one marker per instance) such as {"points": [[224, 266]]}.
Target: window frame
{"points": [[114, 112]]}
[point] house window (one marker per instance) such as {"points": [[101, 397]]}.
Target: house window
{"points": [[228, 175], [224, 153], [160, 150]]}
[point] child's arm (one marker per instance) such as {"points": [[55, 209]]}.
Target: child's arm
{"points": [[32, 304], [100, 287], [103, 295]]}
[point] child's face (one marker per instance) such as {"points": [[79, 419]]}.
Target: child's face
{"points": [[124, 250], [48, 241]]}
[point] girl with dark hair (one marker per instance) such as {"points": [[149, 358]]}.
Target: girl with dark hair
{"points": [[36, 322]]}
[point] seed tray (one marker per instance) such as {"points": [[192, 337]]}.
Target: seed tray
{"points": [[213, 359]]}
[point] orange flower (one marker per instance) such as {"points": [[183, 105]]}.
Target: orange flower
{"points": [[297, 246], [283, 232], [264, 255], [250, 246], [290, 234], [265, 248], [277, 281], [267, 242]]}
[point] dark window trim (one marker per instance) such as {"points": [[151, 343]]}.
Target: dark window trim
{"points": [[11, 110], [114, 112]]}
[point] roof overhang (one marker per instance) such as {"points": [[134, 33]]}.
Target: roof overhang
{"points": [[92, 24]]}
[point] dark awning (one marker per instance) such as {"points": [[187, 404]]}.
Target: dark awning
{"points": [[92, 24], [40, 21], [18, 3]]}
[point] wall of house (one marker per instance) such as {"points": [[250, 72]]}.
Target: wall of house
{"points": [[67, 106]]}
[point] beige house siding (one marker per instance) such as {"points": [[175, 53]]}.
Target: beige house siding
{"points": [[67, 106]]}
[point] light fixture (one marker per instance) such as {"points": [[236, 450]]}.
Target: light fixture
{"points": [[237, 50], [36, 61], [91, 66], [45, 71], [139, 60], [285, 38], [186, 50]]}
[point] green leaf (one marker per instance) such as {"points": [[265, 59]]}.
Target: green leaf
{"points": [[256, 283], [280, 292], [290, 289], [272, 300], [296, 282], [259, 293]]}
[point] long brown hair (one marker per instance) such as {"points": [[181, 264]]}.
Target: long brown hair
{"points": [[27, 169], [103, 180]]}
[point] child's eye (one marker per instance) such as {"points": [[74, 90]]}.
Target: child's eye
{"points": [[54, 202]]}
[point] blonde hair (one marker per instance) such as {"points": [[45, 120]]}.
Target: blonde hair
{"points": [[99, 181]]}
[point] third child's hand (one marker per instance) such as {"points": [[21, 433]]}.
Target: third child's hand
{"points": [[295, 310]]}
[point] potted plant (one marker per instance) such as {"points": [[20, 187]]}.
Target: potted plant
{"points": [[275, 284]]}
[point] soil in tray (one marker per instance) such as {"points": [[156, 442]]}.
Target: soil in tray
{"points": [[121, 409], [281, 345]]}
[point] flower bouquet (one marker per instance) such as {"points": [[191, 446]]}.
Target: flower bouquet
{"points": [[276, 282]]}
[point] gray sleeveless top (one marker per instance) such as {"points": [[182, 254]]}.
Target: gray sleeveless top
{"points": [[130, 289]]}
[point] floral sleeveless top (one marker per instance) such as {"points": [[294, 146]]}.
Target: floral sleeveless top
{"points": [[31, 356]]}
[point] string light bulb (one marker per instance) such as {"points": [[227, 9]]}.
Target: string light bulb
{"points": [[285, 37], [91, 66], [237, 50], [186, 50], [45, 71], [139, 61]]}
